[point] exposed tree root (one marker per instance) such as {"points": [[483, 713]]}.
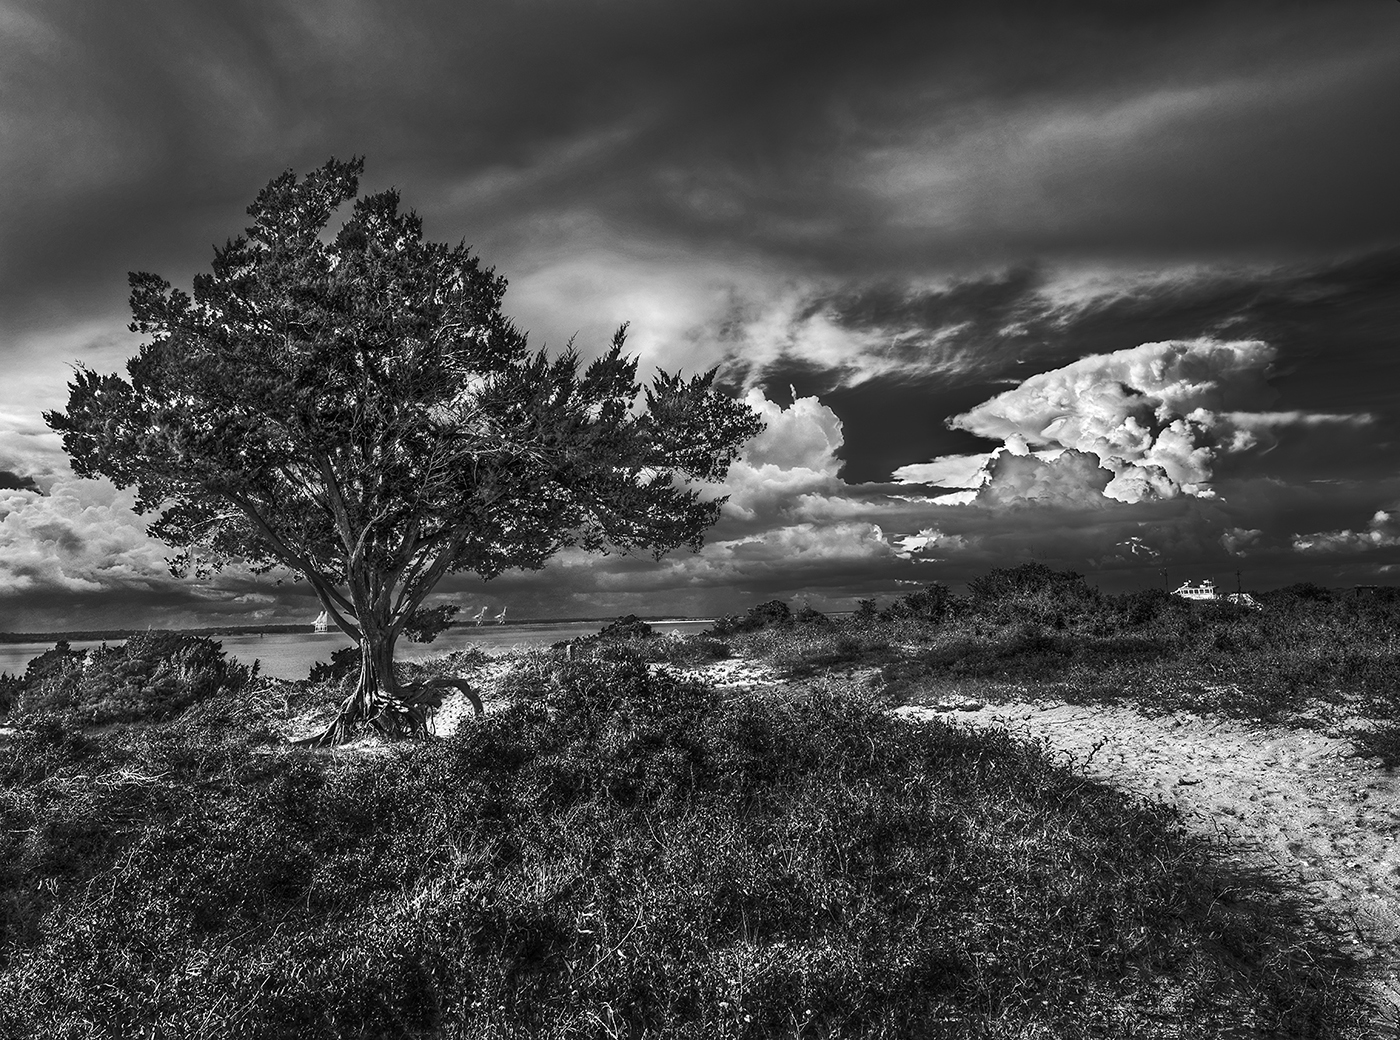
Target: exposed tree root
{"points": [[403, 715]]}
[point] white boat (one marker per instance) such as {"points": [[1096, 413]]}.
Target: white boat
{"points": [[480, 616], [322, 622], [1203, 591], [500, 618]]}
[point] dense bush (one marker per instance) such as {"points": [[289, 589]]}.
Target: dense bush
{"points": [[343, 664], [151, 676], [931, 604], [1035, 593], [11, 686], [627, 627], [621, 853], [765, 615]]}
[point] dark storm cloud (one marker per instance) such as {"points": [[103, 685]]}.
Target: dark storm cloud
{"points": [[904, 207], [838, 135], [57, 610], [14, 482]]}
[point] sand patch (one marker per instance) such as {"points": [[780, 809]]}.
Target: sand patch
{"points": [[1295, 802]]}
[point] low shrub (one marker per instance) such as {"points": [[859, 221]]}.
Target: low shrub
{"points": [[1034, 593], [930, 604], [802, 650], [344, 663], [625, 628], [772, 614], [1381, 742], [1030, 627], [11, 686], [152, 676]]}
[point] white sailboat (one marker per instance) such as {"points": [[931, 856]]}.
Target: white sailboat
{"points": [[322, 622], [500, 618], [480, 616]]}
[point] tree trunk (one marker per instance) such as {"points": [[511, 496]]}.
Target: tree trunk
{"points": [[380, 703], [373, 703]]}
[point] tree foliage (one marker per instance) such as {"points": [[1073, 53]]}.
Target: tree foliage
{"points": [[357, 408]]}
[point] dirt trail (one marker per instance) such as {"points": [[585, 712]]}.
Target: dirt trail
{"points": [[1291, 800]]}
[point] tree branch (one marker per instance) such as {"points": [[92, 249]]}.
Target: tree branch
{"points": [[326, 592], [424, 584]]}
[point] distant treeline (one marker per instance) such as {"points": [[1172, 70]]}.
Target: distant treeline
{"points": [[118, 634]]}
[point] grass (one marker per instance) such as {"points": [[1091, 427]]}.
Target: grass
{"points": [[1307, 658], [621, 852]]}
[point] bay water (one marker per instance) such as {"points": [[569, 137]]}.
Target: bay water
{"points": [[290, 655]]}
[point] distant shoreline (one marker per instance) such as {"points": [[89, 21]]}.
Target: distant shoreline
{"points": [[118, 634]]}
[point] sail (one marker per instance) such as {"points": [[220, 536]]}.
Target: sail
{"points": [[323, 621]]}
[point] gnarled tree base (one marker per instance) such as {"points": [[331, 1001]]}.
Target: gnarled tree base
{"points": [[403, 715]]}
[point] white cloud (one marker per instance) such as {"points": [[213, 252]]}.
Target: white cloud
{"points": [[1382, 532], [1072, 479], [1156, 417], [1151, 414], [793, 456], [805, 435], [932, 544], [83, 537], [949, 471], [1136, 545], [1239, 541], [589, 283]]}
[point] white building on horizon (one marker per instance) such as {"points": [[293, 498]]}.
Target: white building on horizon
{"points": [[1204, 591]]}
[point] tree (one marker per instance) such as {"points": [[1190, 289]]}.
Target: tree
{"points": [[356, 408]]}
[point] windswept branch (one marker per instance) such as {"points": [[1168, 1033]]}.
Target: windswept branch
{"points": [[332, 600]]}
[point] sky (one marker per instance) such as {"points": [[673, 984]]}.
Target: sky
{"points": [[1108, 286]]}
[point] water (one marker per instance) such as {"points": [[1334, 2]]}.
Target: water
{"points": [[290, 655]]}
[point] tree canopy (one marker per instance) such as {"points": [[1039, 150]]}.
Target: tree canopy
{"points": [[356, 407]]}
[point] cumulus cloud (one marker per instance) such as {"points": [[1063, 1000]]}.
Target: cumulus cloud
{"points": [[795, 455], [932, 544], [1239, 541], [85, 539], [805, 435], [1151, 414], [82, 537], [1148, 423], [949, 471], [1071, 479], [1382, 532]]}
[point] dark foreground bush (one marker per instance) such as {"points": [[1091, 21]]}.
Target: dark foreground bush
{"points": [[152, 676], [344, 663], [622, 854]]}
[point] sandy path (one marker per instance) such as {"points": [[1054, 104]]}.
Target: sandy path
{"points": [[1291, 800]]}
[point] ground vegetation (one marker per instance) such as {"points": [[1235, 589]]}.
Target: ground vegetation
{"points": [[618, 850]]}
